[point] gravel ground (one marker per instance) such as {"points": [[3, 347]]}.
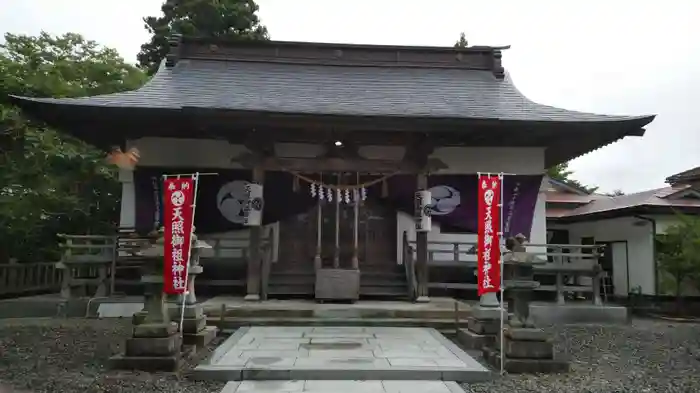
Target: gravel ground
{"points": [[70, 355], [644, 357]]}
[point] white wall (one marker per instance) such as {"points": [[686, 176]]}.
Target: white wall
{"points": [[638, 235], [663, 222], [213, 154]]}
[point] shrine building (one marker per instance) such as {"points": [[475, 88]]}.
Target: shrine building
{"points": [[341, 137]]}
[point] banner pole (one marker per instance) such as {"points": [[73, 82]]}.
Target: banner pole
{"points": [[195, 177], [502, 266]]}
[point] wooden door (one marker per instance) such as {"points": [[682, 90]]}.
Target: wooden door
{"points": [[297, 242], [376, 237]]}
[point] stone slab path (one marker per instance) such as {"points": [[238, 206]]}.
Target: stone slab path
{"points": [[340, 353], [342, 387]]}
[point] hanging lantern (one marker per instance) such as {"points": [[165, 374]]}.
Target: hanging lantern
{"points": [[329, 195], [422, 211], [364, 193], [313, 190], [347, 195]]}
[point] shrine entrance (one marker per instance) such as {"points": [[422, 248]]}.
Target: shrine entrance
{"points": [[376, 238], [343, 231]]}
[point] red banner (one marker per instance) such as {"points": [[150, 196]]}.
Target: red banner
{"points": [[178, 212], [489, 216]]}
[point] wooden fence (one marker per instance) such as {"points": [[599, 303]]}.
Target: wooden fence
{"points": [[574, 268], [19, 279]]}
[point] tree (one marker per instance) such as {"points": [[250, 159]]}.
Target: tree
{"points": [[49, 182], [614, 193], [462, 42], [562, 173], [678, 251], [235, 19]]}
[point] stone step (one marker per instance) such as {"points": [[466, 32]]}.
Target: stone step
{"points": [[283, 353], [342, 311], [378, 282], [290, 289], [384, 291], [231, 323], [315, 386]]}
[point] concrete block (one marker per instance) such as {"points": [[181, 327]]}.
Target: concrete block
{"points": [[147, 330], [156, 346], [193, 326], [526, 334], [526, 349], [484, 326], [202, 338], [138, 317], [471, 340], [487, 313], [526, 366], [195, 311]]}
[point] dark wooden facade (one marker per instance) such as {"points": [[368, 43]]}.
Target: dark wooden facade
{"points": [[262, 93]]}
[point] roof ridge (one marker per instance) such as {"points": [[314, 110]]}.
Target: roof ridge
{"points": [[478, 57]]}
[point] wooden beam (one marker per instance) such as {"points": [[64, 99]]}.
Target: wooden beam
{"points": [[418, 150], [254, 278], [333, 164], [260, 143], [422, 251]]}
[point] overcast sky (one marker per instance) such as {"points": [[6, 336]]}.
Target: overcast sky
{"points": [[605, 56]]}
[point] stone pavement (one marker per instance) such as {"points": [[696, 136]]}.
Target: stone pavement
{"points": [[340, 353], [342, 387]]}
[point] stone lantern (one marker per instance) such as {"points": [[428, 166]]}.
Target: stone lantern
{"points": [[527, 349], [194, 324], [156, 343]]}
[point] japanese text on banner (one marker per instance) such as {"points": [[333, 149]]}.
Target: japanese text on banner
{"points": [[178, 214], [489, 249]]}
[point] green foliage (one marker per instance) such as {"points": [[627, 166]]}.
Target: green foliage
{"points": [[678, 252], [614, 193], [462, 42], [562, 173], [235, 19], [52, 183]]}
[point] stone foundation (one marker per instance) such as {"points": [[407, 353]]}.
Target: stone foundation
{"points": [[153, 347], [194, 325], [479, 333], [482, 328], [527, 350]]}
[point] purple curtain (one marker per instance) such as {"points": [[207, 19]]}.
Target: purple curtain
{"points": [[219, 200]]}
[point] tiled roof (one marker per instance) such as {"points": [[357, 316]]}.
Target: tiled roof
{"points": [[351, 90], [685, 176], [661, 197]]}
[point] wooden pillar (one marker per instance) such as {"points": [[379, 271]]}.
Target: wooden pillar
{"points": [[318, 264], [255, 255], [355, 229], [336, 252], [422, 251]]}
